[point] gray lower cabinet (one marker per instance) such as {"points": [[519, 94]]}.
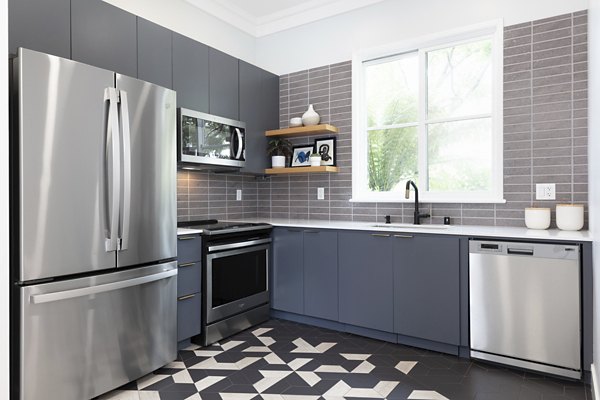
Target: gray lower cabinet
{"points": [[287, 277], [189, 280], [190, 73], [320, 274], [366, 280], [104, 36], [224, 85], [426, 287], [154, 53], [40, 25]]}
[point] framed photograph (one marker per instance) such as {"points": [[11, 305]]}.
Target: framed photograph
{"points": [[301, 156], [326, 148]]}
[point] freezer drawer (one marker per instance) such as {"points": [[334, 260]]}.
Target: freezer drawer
{"points": [[83, 337], [525, 305]]}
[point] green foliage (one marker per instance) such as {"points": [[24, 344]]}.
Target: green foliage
{"points": [[279, 147]]}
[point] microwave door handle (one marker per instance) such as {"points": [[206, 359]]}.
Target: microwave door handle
{"points": [[125, 211], [240, 146], [232, 145], [113, 164]]}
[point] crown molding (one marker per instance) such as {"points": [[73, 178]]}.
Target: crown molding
{"points": [[302, 14]]}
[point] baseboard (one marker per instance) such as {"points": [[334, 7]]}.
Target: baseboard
{"points": [[595, 393]]}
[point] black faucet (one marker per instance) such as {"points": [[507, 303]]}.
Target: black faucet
{"points": [[418, 216]]}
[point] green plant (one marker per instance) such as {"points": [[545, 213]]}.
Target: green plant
{"points": [[279, 147]]}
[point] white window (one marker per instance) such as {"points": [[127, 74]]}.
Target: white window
{"points": [[430, 111]]}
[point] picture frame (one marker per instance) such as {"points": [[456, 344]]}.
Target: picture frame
{"points": [[301, 156], [327, 148]]}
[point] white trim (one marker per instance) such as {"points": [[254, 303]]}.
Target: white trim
{"points": [[290, 17], [595, 389], [494, 30]]}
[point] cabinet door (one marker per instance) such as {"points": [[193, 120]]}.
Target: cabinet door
{"points": [[41, 25], [104, 36], [287, 277], [251, 95], [426, 288], [321, 274], [190, 73], [366, 280], [154, 53], [224, 85]]}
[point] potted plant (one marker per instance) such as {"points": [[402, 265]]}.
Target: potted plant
{"points": [[315, 160], [278, 149]]}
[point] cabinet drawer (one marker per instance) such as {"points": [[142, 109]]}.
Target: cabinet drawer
{"points": [[189, 278], [188, 316], [189, 248]]}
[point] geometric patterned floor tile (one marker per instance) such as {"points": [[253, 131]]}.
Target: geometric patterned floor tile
{"points": [[281, 360]]}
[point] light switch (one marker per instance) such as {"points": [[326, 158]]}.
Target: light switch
{"points": [[238, 194], [320, 193], [545, 191]]}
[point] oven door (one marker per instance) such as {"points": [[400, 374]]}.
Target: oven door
{"points": [[236, 278]]}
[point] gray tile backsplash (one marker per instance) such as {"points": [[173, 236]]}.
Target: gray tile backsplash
{"points": [[545, 133]]}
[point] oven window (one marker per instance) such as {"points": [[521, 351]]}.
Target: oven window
{"points": [[238, 276]]}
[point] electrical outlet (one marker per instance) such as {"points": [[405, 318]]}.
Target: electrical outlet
{"points": [[320, 193], [545, 191], [238, 194]]}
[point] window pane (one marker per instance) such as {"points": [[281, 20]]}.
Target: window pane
{"points": [[392, 91], [459, 80], [392, 158], [460, 156]]}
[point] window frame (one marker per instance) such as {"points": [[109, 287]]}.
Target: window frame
{"points": [[494, 31]]}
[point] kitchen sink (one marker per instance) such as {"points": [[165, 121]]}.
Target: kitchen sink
{"points": [[411, 226]]}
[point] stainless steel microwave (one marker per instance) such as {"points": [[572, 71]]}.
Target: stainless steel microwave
{"points": [[207, 141]]}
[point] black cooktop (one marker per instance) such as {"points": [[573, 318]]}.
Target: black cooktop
{"points": [[213, 226]]}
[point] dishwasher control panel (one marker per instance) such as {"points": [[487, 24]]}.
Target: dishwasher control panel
{"points": [[569, 252]]}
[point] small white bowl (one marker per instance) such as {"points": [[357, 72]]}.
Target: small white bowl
{"points": [[569, 217], [537, 218], [294, 122]]}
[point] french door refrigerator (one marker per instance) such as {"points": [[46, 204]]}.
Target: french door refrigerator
{"points": [[94, 227]]}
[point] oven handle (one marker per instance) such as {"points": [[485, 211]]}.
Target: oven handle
{"points": [[239, 245]]}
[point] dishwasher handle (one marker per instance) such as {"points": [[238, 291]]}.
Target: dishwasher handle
{"points": [[520, 252]]}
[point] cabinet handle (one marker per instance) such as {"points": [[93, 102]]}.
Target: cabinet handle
{"points": [[189, 296], [311, 231], [404, 236], [294, 230], [380, 234], [186, 237], [186, 265]]}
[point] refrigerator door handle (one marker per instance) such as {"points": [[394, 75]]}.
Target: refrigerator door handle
{"points": [[114, 160], [126, 205], [86, 291]]}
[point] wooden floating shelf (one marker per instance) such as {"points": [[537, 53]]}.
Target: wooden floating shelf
{"points": [[300, 170], [304, 130]]}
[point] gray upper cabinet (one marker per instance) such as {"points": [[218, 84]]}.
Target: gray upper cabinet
{"points": [[287, 278], [154, 53], [224, 85], [190, 73], [41, 25], [104, 36], [366, 287], [321, 274], [426, 287]]}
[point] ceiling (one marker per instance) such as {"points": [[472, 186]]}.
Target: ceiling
{"points": [[265, 17]]}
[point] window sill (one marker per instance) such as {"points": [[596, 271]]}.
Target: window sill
{"points": [[411, 200]]}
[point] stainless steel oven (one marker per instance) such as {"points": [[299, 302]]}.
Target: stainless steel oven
{"points": [[235, 277]]}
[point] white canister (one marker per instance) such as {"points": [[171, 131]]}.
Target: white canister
{"points": [[278, 161], [537, 218], [295, 122], [569, 217]]}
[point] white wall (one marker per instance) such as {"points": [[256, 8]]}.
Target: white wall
{"points": [[334, 39], [594, 165], [180, 16], [4, 278]]}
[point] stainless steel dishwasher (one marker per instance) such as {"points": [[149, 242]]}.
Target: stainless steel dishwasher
{"points": [[525, 305]]}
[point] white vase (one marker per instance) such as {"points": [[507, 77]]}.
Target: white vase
{"points": [[278, 161], [310, 117], [537, 218]]}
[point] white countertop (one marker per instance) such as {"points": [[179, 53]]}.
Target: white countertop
{"points": [[187, 231], [460, 230]]}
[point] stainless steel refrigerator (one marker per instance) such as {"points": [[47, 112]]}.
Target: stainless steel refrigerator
{"points": [[94, 224]]}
